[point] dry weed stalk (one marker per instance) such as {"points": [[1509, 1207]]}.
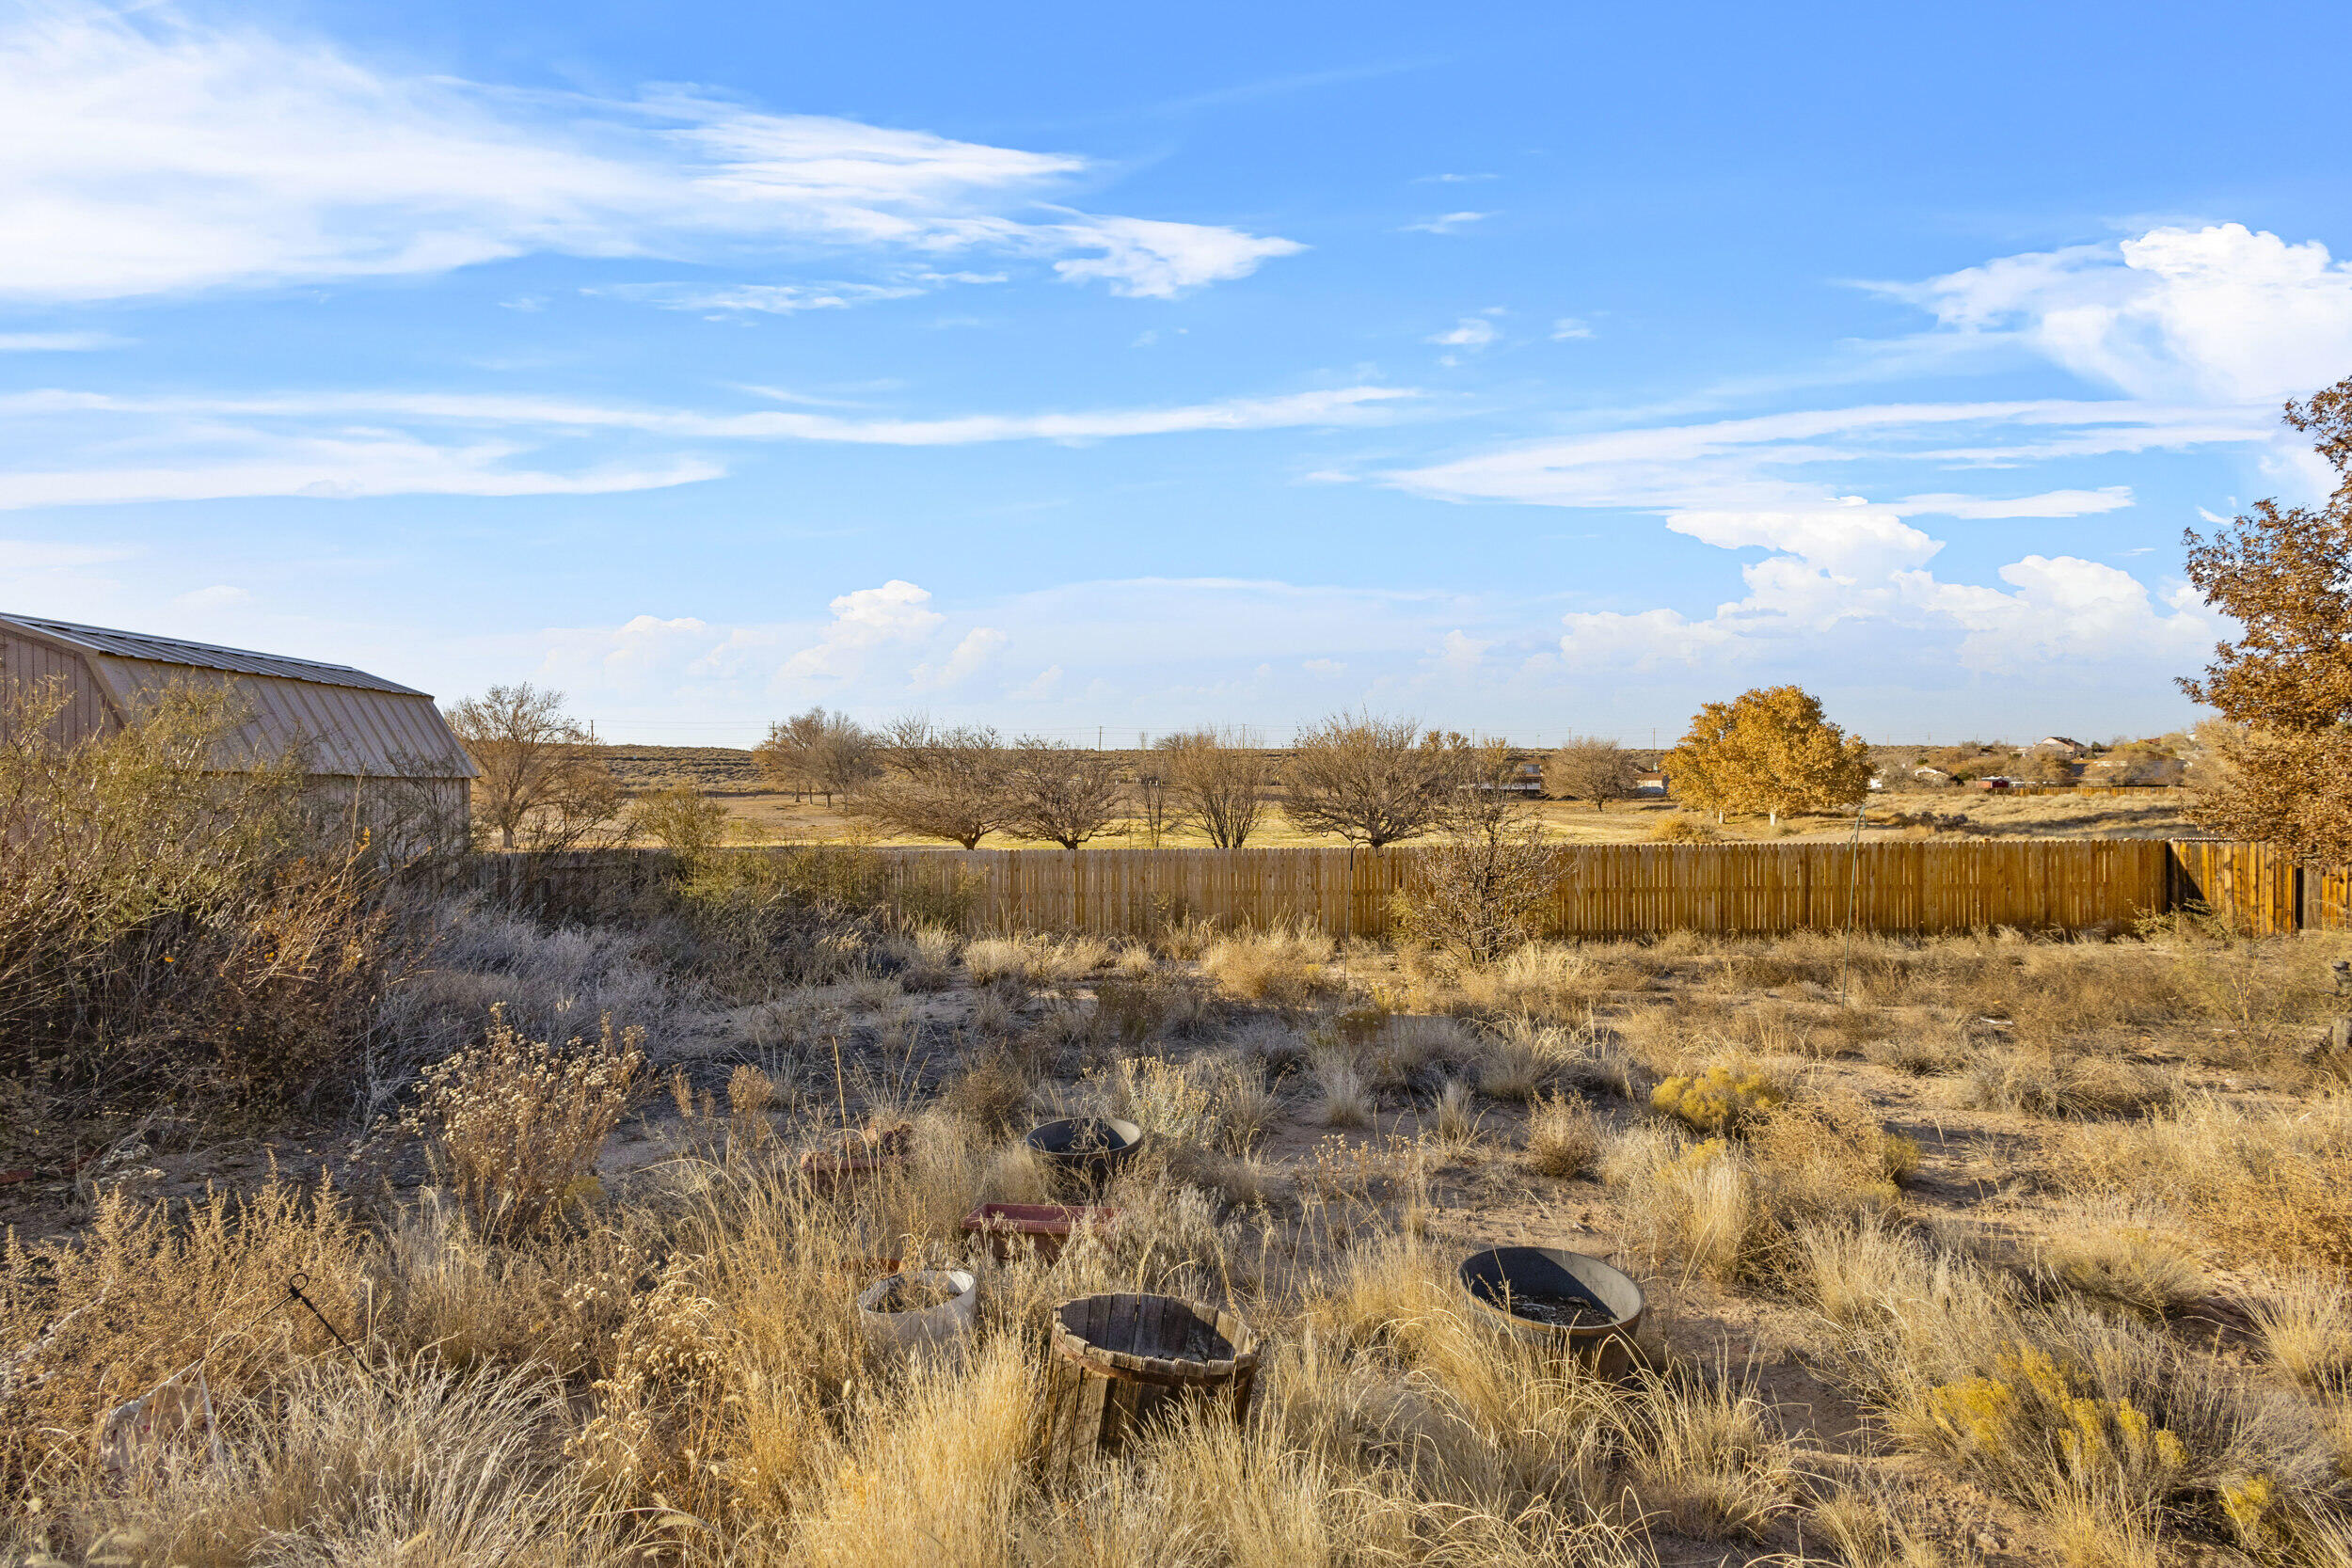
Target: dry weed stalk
{"points": [[517, 1124]]}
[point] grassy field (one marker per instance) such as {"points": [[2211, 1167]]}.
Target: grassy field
{"points": [[1974, 1251], [760, 816]]}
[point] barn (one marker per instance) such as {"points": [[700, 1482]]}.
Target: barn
{"points": [[363, 741]]}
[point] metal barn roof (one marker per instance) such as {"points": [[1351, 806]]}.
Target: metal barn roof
{"points": [[204, 655], [343, 722]]}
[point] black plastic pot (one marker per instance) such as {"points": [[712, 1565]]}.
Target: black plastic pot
{"points": [[1084, 1151], [1532, 1291]]}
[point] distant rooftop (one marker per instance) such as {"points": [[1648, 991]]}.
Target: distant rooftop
{"points": [[203, 656]]}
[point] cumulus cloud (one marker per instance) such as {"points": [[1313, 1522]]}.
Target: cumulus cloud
{"points": [[868, 619], [2222, 313], [153, 153], [978, 647]]}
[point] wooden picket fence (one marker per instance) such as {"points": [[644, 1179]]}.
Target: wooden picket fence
{"points": [[1601, 891]]}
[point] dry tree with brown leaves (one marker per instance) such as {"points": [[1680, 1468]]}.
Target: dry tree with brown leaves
{"points": [[2285, 573]]}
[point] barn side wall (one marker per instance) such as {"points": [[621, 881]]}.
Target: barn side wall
{"points": [[28, 667]]}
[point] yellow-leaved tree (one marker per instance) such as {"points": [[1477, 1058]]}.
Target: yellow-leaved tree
{"points": [[1770, 750]]}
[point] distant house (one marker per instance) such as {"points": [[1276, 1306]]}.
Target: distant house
{"points": [[1932, 775], [1996, 782], [2059, 746], [361, 740], [1650, 783]]}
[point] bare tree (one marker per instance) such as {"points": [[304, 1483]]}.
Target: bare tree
{"points": [[545, 780], [1371, 780], [1153, 801], [1482, 891], [1587, 768], [936, 783], [1218, 778], [818, 753], [1055, 791]]}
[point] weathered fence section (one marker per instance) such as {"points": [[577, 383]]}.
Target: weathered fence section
{"points": [[1615, 890]]}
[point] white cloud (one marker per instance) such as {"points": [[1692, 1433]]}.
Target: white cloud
{"points": [[1147, 260], [59, 342], [335, 444], [2050, 503], [152, 154], [341, 467], [774, 299], [220, 596], [1568, 328], [978, 647], [1044, 685], [1779, 459], [2222, 313], [37, 555], [1447, 223], [1470, 332], [1324, 666], [863, 622], [1453, 179], [1459, 654]]}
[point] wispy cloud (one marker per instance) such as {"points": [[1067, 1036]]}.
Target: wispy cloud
{"points": [[335, 444], [59, 342], [1453, 179], [1469, 332], [1447, 223], [153, 153], [1570, 328]]}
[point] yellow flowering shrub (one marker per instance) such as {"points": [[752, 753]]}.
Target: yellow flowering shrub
{"points": [[1718, 1101]]}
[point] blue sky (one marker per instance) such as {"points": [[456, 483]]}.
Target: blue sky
{"points": [[1529, 369]]}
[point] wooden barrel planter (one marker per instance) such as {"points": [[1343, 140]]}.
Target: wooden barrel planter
{"points": [[1119, 1361], [1046, 1226], [1081, 1152], [1575, 1303]]}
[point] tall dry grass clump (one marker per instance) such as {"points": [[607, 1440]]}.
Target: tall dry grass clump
{"points": [[2274, 1183], [1288, 966], [139, 1296], [516, 1124]]}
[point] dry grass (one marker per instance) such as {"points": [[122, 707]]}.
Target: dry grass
{"points": [[2274, 1183], [1347, 1097], [1563, 1137], [516, 1124], [2305, 1323], [667, 1366], [1288, 967]]}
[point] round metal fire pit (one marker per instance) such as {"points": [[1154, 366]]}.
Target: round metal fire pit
{"points": [[1084, 1151], [1547, 1295]]}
